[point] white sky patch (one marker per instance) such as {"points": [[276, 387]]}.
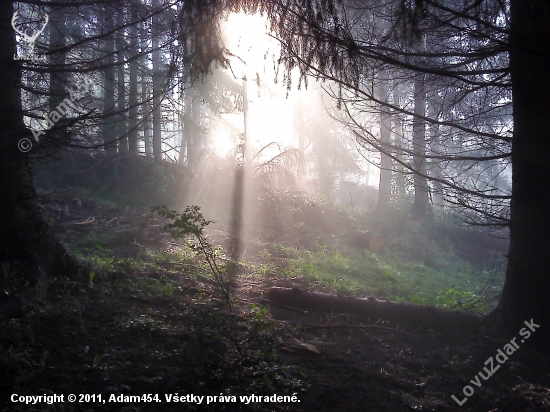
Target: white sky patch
{"points": [[270, 112]]}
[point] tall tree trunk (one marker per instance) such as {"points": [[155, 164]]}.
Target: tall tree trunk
{"points": [[436, 149], [197, 131], [527, 285], [246, 114], [401, 182], [241, 177], [108, 129], [421, 200], [299, 129], [190, 130], [26, 242], [186, 131], [133, 98], [58, 78], [384, 187], [157, 87], [121, 128], [181, 122], [145, 106]]}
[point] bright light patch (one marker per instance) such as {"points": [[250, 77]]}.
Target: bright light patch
{"points": [[270, 113], [246, 37]]}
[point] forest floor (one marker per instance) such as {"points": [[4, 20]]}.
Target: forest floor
{"points": [[150, 320]]}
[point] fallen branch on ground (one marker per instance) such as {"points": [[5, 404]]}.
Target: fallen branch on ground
{"points": [[371, 308]]}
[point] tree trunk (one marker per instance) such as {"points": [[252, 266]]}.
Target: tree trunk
{"points": [[436, 149], [181, 122], [401, 181], [145, 112], [247, 142], [186, 132], [195, 141], [421, 200], [58, 79], [26, 243], [398, 314], [384, 187], [122, 130], [299, 130], [157, 87], [109, 132], [133, 98], [527, 285]]}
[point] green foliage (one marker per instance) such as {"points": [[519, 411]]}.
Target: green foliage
{"points": [[461, 300], [189, 222]]}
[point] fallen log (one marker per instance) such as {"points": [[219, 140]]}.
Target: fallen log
{"points": [[398, 314]]}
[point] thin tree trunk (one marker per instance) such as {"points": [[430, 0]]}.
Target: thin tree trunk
{"points": [[133, 98], [247, 143], [58, 79], [241, 177], [384, 187], [401, 182], [145, 107], [190, 127], [187, 129], [436, 149], [299, 129], [527, 285], [122, 130], [108, 130], [157, 88], [181, 123], [196, 135], [421, 200]]}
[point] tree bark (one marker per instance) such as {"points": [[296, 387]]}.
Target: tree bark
{"points": [[122, 130], [26, 242], [299, 130], [58, 79], [527, 285], [109, 132], [195, 142], [384, 187], [401, 181], [157, 87], [186, 132], [421, 204], [133, 97], [145, 111], [436, 149]]}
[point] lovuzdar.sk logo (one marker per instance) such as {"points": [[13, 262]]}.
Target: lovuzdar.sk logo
{"points": [[29, 40]]}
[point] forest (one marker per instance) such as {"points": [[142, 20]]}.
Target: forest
{"points": [[275, 205]]}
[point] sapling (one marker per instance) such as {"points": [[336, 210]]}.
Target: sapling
{"points": [[192, 222]]}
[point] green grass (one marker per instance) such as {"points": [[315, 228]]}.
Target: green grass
{"points": [[391, 275]]}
